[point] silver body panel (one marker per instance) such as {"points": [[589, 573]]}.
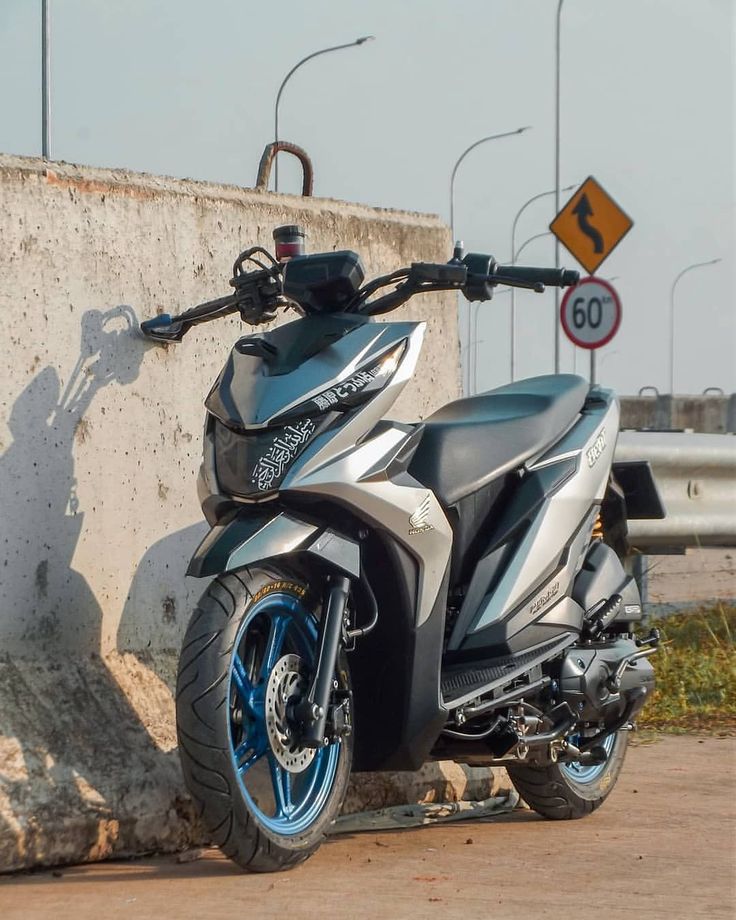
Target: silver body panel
{"points": [[351, 467], [540, 574], [281, 535]]}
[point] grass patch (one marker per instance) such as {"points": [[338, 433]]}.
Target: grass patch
{"points": [[696, 673]]}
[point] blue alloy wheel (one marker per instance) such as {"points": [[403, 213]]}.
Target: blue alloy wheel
{"points": [[587, 773], [284, 784]]}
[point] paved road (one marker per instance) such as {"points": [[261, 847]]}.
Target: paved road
{"points": [[664, 845]]}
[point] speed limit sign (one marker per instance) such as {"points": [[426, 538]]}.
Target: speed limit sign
{"points": [[590, 313]]}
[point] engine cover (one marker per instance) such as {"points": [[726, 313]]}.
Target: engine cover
{"points": [[586, 676]]}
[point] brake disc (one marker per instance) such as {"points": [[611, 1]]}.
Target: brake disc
{"points": [[287, 685]]}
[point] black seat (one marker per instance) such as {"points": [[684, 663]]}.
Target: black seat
{"points": [[471, 442]]}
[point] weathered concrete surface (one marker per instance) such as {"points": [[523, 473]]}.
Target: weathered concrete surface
{"points": [[709, 414], [701, 576], [661, 847], [89, 767], [103, 429], [98, 455]]}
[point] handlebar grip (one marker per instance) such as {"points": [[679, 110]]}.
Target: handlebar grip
{"points": [[162, 321], [163, 328], [551, 277]]}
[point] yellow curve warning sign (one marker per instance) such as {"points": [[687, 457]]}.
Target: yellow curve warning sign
{"points": [[591, 225]]}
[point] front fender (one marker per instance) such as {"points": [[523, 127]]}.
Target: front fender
{"points": [[251, 538]]}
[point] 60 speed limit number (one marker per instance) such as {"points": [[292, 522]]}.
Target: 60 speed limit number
{"points": [[590, 313]]}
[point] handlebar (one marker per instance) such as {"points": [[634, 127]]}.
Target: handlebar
{"points": [[167, 328], [259, 293], [550, 277]]}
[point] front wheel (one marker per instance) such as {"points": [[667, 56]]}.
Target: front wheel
{"points": [[247, 656], [570, 790]]}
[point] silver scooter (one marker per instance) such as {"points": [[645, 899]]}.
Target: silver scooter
{"points": [[384, 594]]}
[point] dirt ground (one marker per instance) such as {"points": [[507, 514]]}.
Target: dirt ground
{"points": [[664, 845]]}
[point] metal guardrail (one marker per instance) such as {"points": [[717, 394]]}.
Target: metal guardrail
{"points": [[696, 478]]}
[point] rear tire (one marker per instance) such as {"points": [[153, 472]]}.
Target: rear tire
{"points": [[265, 801], [556, 792]]}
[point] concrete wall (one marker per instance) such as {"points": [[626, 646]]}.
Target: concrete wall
{"points": [[99, 448]]}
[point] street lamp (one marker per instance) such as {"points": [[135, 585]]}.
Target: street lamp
{"points": [[45, 78], [515, 257], [483, 140], [521, 210], [557, 179], [531, 239], [314, 54], [608, 354], [672, 316], [475, 343]]}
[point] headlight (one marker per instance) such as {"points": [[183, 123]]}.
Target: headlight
{"points": [[352, 391], [254, 463]]}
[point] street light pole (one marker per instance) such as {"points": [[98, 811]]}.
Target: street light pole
{"points": [[672, 316], [593, 357], [521, 210], [289, 75], [45, 78], [483, 140], [531, 239], [476, 311], [557, 180], [515, 256]]}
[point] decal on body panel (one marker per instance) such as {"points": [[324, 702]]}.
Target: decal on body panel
{"points": [[599, 445], [544, 598], [418, 521], [285, 446]]}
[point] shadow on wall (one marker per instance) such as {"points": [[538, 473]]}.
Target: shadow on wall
{"points": [[37, 482], [161, 599], [72, 747]]}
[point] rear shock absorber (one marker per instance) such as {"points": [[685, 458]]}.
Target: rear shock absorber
{"points": [[597, 528]]}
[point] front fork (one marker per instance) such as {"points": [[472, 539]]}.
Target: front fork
{"points": [[311, 712]]}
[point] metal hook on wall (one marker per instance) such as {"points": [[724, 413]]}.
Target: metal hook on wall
{"points": [[267, 161]]}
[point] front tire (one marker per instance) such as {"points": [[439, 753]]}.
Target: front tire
{"points": [[566, 791], [247, 655]]}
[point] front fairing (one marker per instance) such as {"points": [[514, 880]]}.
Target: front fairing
{"points": [[309, 356], [280, 392]]}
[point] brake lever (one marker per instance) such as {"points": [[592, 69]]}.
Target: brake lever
{"points": [[535, 286]]}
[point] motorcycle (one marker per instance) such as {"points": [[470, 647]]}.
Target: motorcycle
{"points": [[385, 594]]}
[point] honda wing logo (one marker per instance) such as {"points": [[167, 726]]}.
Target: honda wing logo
{"points": [[418, 520]]}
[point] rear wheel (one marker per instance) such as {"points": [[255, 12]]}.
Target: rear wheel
{"points": [[248, 653], [570, 790]]}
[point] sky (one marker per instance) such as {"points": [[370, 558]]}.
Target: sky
{"points": [[187, 88]]}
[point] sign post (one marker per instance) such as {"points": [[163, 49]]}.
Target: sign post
{"points": [[590, 226], [590, 314]]}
